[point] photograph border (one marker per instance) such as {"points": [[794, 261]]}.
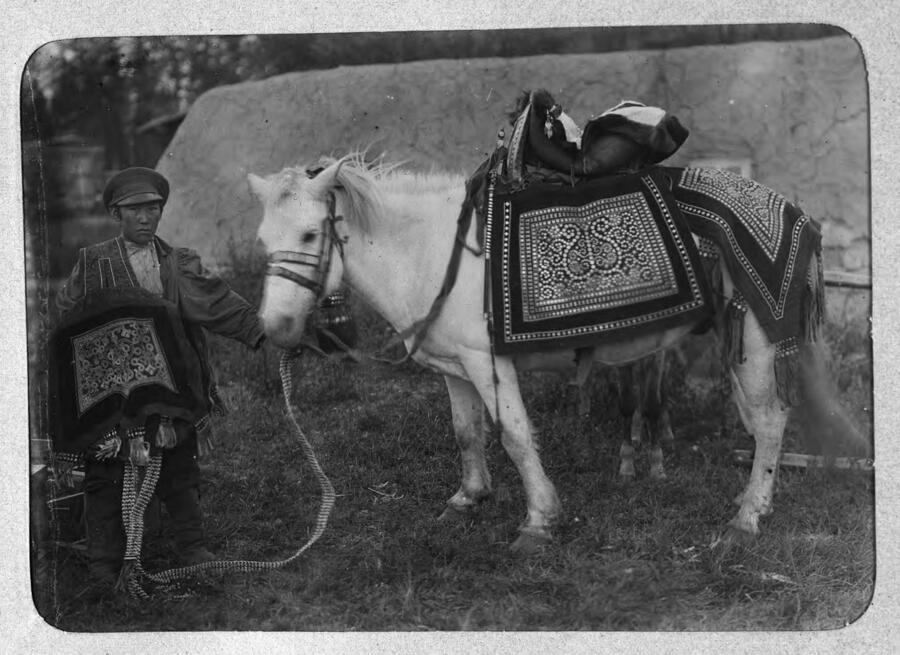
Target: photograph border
{"points": [[30, 26]]}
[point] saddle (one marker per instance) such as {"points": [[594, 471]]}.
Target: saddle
{"points": [[623, 139]]}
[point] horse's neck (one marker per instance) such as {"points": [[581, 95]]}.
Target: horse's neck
{"points": [[399, 265]]}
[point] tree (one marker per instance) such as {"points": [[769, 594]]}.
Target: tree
{"points": [[101, 89]]}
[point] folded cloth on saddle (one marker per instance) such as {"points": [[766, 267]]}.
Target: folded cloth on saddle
{"points": [[766, 243], [658, 133], [571, 266], [120, 357]]}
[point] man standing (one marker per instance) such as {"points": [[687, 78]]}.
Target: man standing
{"points": [[141, 400]]}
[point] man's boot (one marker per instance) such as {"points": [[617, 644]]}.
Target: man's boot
{"points": [[186, 518], [105, 534]]}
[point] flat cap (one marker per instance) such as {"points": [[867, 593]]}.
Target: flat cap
{"points": [[135, 185]]}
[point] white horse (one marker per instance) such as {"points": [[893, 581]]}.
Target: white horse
{"points": [[388, 235]]}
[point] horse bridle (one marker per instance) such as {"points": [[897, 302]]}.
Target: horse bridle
{"points": [[320, 261]]}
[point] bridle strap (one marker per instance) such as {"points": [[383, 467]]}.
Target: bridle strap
{"points": [[291, 257], [321, 261], [418, 328], [296, 278]]}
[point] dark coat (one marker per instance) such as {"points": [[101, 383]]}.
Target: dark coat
{"points": [[203, 299]]}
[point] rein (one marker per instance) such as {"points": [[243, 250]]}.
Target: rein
{"points": [[136, 495]]}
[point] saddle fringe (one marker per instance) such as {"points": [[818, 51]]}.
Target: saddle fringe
{"points": [[734, 330], [788, 353]]}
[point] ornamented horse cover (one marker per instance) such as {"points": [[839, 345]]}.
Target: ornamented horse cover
{"points": [[573, 265], [766, 241], [119, 360]]}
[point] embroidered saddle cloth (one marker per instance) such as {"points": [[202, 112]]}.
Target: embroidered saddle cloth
{"points": [[120, 357], [571, 265], [766, 242]]}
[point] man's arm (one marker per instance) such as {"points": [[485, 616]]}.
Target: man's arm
{"points": [[207, 300], [72, 290]]}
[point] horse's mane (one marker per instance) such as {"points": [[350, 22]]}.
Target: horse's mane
{"points": [[367, 184]]}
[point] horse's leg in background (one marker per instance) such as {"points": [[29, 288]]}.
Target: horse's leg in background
{"points": [[470, 428], [629, 410], [498, 386], [756, 396], [584, 363], [653, 408]]}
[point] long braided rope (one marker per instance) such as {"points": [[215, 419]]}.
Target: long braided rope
{"points": [[134, 503]]}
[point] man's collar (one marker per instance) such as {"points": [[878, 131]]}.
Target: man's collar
{"points": [[132, 246]]}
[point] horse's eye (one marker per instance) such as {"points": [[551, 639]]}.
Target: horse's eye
{"points": [[308, 237]]}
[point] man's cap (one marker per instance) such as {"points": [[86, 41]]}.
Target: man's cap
{"points": [[134, 186]]}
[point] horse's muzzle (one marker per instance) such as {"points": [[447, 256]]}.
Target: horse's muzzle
{"points": [[283, 330]]}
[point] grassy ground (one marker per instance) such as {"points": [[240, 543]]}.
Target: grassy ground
{"points": [[629, 557]]}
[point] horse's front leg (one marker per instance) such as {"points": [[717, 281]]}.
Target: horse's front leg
{"points": [[756, 396], [498, 386], [470, 428]]}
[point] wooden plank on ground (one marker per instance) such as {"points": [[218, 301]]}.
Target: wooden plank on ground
{"points": [[847, 280], [800, 460]]}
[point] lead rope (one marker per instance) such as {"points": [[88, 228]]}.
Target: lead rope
{"points": [[135, 500]]}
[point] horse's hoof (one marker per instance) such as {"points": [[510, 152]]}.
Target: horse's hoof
{"points": [[658, 475], [454, 516], [531, 543], [626, 478], [734, 536]]}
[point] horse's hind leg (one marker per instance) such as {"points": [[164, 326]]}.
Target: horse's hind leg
{"points": [[756, 396], [653, 408], [470, 428], [632, 420]]}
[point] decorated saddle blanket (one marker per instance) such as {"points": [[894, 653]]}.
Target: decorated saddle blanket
{"points": [[569, 266], [118, 359], [766, 242]]}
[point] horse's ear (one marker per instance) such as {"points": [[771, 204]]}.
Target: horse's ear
{"points": [[326, 179], [258, 185]]}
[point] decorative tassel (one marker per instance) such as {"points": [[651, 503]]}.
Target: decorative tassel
{"points": [[138, 449], [219, 408], [709, 259], [787, 372], [63, 466], [204, 437], [108, 447], [204, 446], [125, 575], [165, 433], [334, 317], [548, 126], [734, 330], [814, 305]]}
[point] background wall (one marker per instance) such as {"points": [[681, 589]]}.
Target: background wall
{"points": [[794, 112]]}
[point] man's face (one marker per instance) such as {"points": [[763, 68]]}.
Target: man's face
{"points": [[139, 222]]}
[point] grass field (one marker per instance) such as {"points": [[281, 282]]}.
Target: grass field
{"points": [[629, 556]]}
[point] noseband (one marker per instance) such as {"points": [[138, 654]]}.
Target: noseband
{"points": [[320, 262]]}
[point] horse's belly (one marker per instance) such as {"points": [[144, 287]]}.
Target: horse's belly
{"points": [[610, 353]]}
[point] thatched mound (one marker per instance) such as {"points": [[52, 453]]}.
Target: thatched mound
{"points": [[768, 102]]}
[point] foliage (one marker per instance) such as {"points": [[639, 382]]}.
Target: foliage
{"points": [[102, 89]]}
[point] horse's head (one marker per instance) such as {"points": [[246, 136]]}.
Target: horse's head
{"points": [[301, 235]]}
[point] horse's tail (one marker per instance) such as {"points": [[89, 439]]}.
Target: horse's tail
{"points": [[829, 430]]}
